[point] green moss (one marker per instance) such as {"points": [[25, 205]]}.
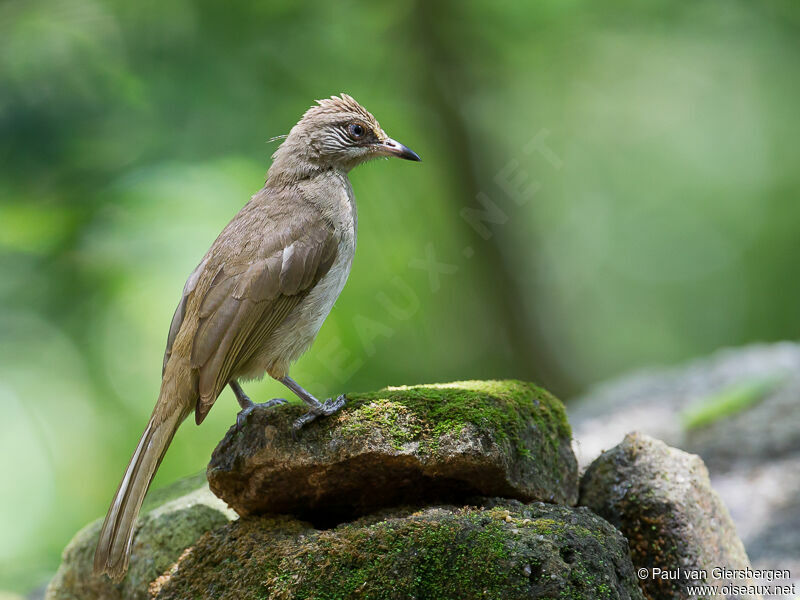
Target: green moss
{"points": [[505, 408], [508, 552], [389, 416], [728, 402], [478, 551], [448, 558]]}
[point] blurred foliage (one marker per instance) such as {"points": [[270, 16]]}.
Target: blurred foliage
{"points": [[658, 221], [729, 401]]}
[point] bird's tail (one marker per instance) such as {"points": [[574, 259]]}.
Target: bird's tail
{"points": [[114, 545]]}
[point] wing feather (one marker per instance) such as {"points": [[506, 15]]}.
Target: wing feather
{"points": [[180, 311], [220, 289]]}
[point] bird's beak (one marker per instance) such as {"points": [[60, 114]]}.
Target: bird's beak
{"points": [[390, 147]]}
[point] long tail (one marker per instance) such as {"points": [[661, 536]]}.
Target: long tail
{"points": [[114, 546]]}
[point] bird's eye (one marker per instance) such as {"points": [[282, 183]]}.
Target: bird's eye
{"points": [[356, 131]]}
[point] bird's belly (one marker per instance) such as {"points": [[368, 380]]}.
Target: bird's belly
{"points": [[294, 336]]}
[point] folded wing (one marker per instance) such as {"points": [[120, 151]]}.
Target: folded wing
{"points": [[248, 299]]}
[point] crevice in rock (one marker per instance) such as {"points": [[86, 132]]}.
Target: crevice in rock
{"points": [[362, 485]]}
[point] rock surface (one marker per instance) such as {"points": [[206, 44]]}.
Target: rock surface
{"points": [[509, 551], [750, 438], [661, 499], [406, 445], [390, 498], [171, 520]]}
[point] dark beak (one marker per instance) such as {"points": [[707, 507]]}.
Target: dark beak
{"points": [[390, 147]]}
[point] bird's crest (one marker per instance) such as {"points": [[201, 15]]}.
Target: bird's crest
{"points": [[342, 104]]}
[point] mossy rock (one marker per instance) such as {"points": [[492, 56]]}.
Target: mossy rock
{"points": [[171, 520], [508, 551], [403, 445], [661, 499]]}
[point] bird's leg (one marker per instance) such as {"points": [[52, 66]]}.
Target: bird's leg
{"points": [[247, 404], [241, 397], [315, 407]]}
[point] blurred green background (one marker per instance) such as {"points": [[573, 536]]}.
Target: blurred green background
{"points": [[640, 162]]}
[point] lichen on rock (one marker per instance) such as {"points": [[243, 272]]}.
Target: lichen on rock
{"points": [[507, 550], [170, 521], [662, 501], [402, 445]]}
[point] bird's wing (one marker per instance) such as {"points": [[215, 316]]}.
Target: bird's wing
{"points": [[247, 301], [180, 311]]}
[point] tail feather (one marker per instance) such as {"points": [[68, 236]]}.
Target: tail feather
{"points": [[114, 545]]}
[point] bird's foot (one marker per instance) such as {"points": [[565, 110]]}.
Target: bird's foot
{"points": [[326, 409], [241, 417]]}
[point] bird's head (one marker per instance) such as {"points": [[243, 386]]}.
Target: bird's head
{"points": [[338, 133]]}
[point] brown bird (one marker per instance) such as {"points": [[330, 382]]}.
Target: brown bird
{"points": [[256, 301]]}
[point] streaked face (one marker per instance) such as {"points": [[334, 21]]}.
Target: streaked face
{"points": [[346, 138]]}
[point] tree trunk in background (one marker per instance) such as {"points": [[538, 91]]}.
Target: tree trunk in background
{"points": [[445, 79]]}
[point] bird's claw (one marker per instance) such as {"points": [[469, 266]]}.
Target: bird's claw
{"points": [[326, 409], [242, 415]]}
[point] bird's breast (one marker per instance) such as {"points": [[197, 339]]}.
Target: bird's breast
{"points": [[321, 298], [294, 336]]}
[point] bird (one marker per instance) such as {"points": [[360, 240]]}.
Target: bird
{"points": [[259, 296]]}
